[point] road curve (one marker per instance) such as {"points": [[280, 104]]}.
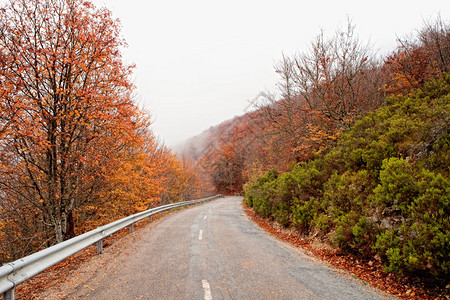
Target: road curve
{"points": [[214, 251]]}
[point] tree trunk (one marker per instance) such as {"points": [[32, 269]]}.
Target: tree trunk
{"points": [[58, 229], [70, 227]]}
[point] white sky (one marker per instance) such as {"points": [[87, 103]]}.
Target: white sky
{"points": [[200, 62]]}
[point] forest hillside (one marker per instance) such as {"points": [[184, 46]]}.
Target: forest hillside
{"points": [[383, 192], [352, 149]]}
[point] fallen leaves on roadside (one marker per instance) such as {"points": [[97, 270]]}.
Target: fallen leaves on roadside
{"points": [[57, 274], [368, 271]]}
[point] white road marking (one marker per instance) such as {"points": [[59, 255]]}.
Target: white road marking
{"points": [[200, 235], [207, 290], [204, 218]]}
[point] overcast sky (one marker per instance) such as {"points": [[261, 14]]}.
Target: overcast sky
{"points": [[200, 62]]}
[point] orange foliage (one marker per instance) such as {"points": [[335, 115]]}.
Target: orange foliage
{"points": [[63, 74], [185, 180], [133, 181], [75, 150], [419, 59]]}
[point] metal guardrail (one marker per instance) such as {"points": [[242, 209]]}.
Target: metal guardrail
{"points": [[14, 273]]}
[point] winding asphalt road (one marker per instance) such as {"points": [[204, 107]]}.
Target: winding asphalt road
{"points": [[214, 251]]}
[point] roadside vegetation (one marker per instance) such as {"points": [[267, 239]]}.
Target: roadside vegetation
{"points": [[382, 192]]}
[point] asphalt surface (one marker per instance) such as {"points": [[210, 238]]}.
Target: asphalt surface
{"points": [[214, 251]]}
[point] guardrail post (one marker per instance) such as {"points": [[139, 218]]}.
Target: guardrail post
{"points": [[162, 213], [100, 247], [150, 218], [8, 295], [131, 227]]}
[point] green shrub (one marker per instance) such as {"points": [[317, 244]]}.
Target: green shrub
{"points": [[282, 214], [322, 222], [396, 189], [262, 202], [364, 235], [254, 191], [343, 233], [421, 241], [286, 185], [302, 214], [347, 192]]}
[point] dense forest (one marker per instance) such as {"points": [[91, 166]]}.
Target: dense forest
{"points": [[352, 149], [76, 151]]}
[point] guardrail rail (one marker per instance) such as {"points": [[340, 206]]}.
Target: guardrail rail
{"points": [[14, 273]]}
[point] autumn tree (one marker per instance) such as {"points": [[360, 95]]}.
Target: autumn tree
{"points": [[295, 129], [419, 58], [319, 93], [222, 159], [233, 152], [283, 110], [66, 107], [339, 76], [185, 180]]}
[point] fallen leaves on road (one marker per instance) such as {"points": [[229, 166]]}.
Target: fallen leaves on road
{"points": [[368, 271]]}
